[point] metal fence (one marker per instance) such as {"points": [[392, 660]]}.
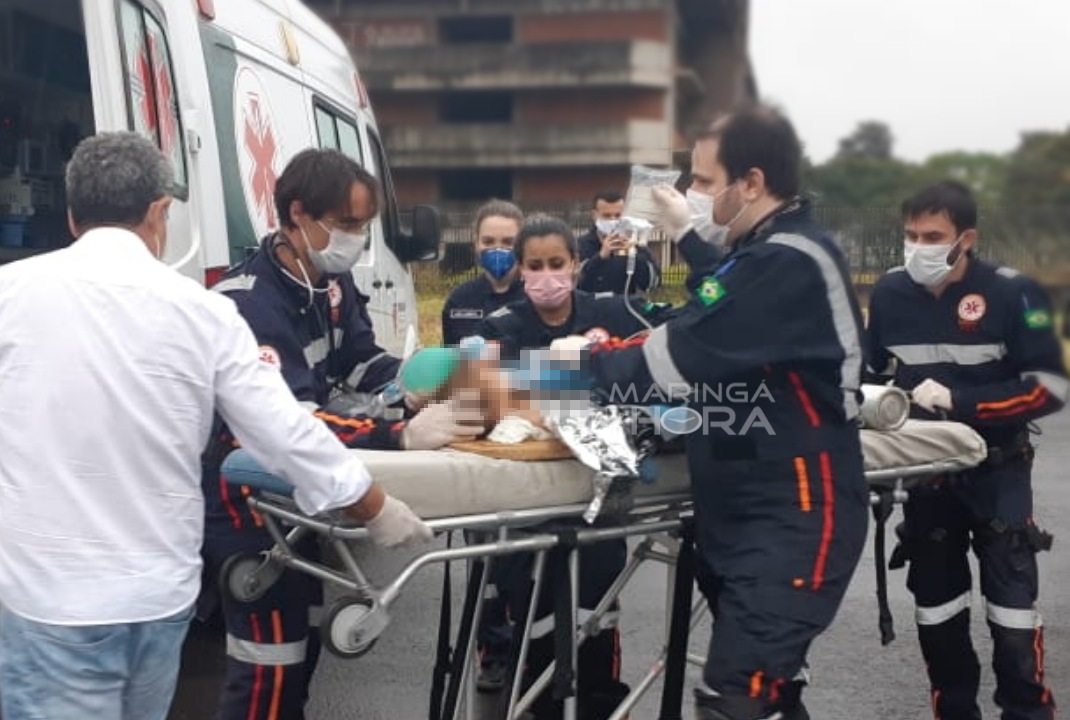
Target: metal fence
{"points": [[1034, 240]]}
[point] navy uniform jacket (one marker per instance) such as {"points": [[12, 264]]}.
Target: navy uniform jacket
{"points": [[988, 338], [604, 316], [470, 303], [316, 347], [768, 350], [610, 274], [701, 257]]}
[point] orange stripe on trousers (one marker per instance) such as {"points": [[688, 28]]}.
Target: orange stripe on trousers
{"points": [[804, 484], [280, 671], [829, 521]]}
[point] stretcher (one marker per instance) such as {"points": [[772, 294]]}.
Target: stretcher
{"points": [[534, 507]]}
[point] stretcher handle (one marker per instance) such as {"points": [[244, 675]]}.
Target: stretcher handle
{"points": [[240, 468]]}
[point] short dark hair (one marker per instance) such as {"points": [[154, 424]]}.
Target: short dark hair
{"points": [[497, 208], [113, 177], [758, 136], [949, 197], [609, 196], [541, 225], [321, 179]]}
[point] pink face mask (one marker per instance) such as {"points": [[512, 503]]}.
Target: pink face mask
{"points": [[548, 288]]}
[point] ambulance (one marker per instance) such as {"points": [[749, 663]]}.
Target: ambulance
{"points": [[230, 90]]}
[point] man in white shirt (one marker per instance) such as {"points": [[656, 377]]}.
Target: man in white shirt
{"points": [[111, 365]]}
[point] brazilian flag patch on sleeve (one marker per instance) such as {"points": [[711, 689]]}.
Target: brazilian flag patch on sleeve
{"points": [[1039, 319], [710, 291]]}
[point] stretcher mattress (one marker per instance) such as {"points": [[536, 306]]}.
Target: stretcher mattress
{"points": [[449, 483]]}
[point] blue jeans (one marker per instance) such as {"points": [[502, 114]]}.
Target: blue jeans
{"points": [[98, 672]]}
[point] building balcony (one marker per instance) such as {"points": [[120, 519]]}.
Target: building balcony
{"points": [[518, 67], [514, 146]]}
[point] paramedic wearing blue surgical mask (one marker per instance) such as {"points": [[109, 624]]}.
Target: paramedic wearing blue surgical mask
{"points": [[974, 343], [781, 501], [311, 322], [495, 228]]}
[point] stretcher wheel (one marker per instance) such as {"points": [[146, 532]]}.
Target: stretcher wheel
{"points": [[352, 626], [246, 577]]}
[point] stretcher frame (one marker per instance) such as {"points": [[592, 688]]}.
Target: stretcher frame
{"points": [[355, 621]]}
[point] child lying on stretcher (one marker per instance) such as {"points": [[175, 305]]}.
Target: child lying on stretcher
{"points": [[508, 403]]}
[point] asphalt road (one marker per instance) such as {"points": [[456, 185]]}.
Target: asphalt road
{"points": [[853, 676]]}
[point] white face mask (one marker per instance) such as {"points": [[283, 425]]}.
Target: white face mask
{"points": [[342, 252], [701, 206], [928, 264], [606, 227]]}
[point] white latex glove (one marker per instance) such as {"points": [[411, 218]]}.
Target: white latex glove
{"points": [[569, 349], [437, 425], [674, 211], [396, 524], [415, 401], [932, 396]]}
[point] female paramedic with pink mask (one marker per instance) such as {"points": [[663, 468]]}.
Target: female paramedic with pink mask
{"points": [[547, 255]]}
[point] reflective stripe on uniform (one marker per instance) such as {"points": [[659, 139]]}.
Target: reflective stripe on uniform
{"points": [[1013, 619], [353, 381], [659, 361], [1057, 386], [545, 626], [942, 613], [317, 350], [949, 353], [843, 318], [254, 653], [239, 282]]}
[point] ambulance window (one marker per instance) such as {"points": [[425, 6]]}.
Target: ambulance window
{"points": [[150, 85], [325, 127], [338, 133], [349, 141]]}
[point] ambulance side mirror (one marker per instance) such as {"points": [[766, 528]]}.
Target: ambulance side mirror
{"points": [[421, 245]]}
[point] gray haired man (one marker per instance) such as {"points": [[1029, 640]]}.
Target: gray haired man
{"points": [[111, 366]]}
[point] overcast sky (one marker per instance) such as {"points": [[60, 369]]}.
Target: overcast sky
{"points": [[944, 74]]}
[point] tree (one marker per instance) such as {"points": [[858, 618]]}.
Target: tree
{"points": [[863, 182], [984, 173], [1039, 170], [871, 139]]}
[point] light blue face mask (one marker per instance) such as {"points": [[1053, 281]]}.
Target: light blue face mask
{"points": [[498, 262]]}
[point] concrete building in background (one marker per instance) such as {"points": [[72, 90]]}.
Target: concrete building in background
{"points": [[541, 101]]}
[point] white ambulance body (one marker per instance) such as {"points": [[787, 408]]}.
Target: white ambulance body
{"points": [[230, 89]]}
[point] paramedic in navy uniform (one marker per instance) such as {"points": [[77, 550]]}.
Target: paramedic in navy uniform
{"points": [[297, 294], [781, 506], [496, 226], [976, 343]]}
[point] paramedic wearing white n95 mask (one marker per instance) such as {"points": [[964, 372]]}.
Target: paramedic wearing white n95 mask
{"points": [[125, 360], [311, 322], [974, 343]]}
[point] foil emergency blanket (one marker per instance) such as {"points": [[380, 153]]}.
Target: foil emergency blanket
{"points": [[599, 440]]}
